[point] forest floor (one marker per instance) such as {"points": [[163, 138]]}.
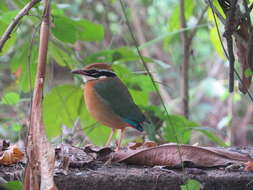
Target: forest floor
{"points": [[87, 174]]}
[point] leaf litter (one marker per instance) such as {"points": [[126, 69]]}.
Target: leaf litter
{"points": [[10, 155], [146, 154]]}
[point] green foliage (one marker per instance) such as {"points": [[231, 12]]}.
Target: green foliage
{"points": [[3, 7], [176, 129], [4, 21], [70, 30], [174, 19], [16, 127], [123, 54], [214, 138], [61, 57], [191, 184], [10, 129], [179, 129], [248, 72], [218, 7], [214, 36], [10, 98], [14, 185], [61, 107], [28, 71]]}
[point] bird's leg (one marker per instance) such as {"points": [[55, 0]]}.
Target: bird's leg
{"points": [[110, 137], [122, 134]]}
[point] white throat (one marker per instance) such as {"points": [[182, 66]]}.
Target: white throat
{"points": [[88, 78]]}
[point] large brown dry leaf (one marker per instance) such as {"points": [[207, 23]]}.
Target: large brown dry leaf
{"points": [[11, 156], [173, 155]]}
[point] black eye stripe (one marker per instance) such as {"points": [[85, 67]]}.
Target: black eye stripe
{"points": [[107, 73], [99, 73], [92, 71]]}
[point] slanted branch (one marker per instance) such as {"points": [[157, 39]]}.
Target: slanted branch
{"points": [[7, 34]]}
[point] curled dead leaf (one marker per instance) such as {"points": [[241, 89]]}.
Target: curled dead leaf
{"points": [[248, 166], [11, 156], [101, 152], [173, 154]]}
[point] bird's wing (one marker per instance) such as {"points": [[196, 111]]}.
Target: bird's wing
{"points": [[116, 95]]}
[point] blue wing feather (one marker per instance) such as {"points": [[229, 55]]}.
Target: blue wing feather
{"points": [[134, 124]]}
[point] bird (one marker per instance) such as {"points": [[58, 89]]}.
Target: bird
{"points": [[108, 100]]}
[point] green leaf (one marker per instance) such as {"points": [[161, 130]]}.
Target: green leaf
{"points": [[97, 134], [218, 7], [55, 10], [10, 98], [19, 3], [16, 127], [175, 129], [14, 185], [248, 72], [8, 16], [140, 98], [5, 19], [61, 107], [3, 7], [89, 31], [214, 36], [191, 184], [60, 56], [214, 138], [104, 56], [123, 54], [70, 30], [20, 61], [174, 19], [64, 29]]}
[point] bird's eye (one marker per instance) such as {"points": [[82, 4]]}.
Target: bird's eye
{"points": [[92, 72]]}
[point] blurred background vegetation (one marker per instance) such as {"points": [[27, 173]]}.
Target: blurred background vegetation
{"points": [[89, 31]]}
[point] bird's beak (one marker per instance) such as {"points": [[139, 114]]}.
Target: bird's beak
{"points": [[80, 72]]}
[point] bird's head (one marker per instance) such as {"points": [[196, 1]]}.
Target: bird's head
{"points": [[95, 71]]}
